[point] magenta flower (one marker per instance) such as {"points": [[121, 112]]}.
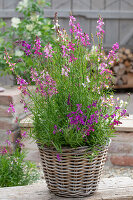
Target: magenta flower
{"points": [[115, 46], [23, 85], [37, 46], [58, 157], [11, 108], [4, 151], [24, 134], [25, 46]]}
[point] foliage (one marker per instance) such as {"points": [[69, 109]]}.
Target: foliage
{"points": [[27, 28], [14, 171], [72, 101]]}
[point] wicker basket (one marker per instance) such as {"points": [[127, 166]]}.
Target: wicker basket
{"points": [[76, 175]]}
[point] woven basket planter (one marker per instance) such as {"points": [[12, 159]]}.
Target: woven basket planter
{"points": [[76, 175]]}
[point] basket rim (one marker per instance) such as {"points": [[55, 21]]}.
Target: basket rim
{"points": [[80, 148]]}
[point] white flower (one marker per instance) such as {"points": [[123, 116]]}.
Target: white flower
{"points": [[125, 103], [38, 33], [19, 53], [83, 85], [15, 21], [34, 17], [29, 27], [87, 57], [93, 49], [87, 78], [121, 103], [22, 4]]}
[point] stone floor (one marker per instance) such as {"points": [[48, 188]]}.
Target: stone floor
{"points": [[109, 189]]}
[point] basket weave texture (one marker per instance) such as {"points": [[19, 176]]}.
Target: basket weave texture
{"points": [[75, 175]]}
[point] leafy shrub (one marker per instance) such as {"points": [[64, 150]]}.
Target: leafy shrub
{"points": [[14, 171]]}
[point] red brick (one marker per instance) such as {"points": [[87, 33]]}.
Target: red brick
{"points": [[121, 147], [10, 95], [3, 112], [122, 160], [5, 125], [123, 136]]}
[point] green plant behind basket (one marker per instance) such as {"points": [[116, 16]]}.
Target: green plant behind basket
{"points": [[31, 24]]}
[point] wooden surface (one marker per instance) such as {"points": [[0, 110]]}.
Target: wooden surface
{"points": [[127, 124], [118, 188]]}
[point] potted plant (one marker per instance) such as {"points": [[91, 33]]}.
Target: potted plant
{"points": [[74, 111]]}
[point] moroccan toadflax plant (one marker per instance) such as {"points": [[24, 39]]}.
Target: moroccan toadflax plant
{"points": [[71, 95]]}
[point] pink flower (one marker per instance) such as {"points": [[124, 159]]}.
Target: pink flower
{"points": [[7, 58], [24, 134], [45, 85], [115, 46], [48, 51], [65, 71], [8, 142], [72, 20], [99, 27]]}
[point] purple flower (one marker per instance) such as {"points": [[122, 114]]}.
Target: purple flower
{"points": [[18, 141], [9, 132], [117, 108], [55, 129], [106, 116], [113, 115], [69, 100], [123, 113], [58, 157], [26, 47], [8, 142]]}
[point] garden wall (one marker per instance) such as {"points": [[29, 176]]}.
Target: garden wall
{"points": [[7, 120]]}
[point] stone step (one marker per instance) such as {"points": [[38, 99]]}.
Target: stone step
{"points": [[117, 188]]}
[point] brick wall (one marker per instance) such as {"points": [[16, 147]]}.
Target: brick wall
{"points": [[7, 120], [121, 149]]}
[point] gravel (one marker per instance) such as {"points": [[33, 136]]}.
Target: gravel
{"points": [[116, 171]]}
